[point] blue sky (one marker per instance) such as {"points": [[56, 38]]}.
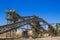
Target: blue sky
{"points": [[49, 10]]}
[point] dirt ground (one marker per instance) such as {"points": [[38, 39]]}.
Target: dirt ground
{"points": [[47, 38]]}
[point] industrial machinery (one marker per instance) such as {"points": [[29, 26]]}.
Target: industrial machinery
{"points": [[16, 21]]}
